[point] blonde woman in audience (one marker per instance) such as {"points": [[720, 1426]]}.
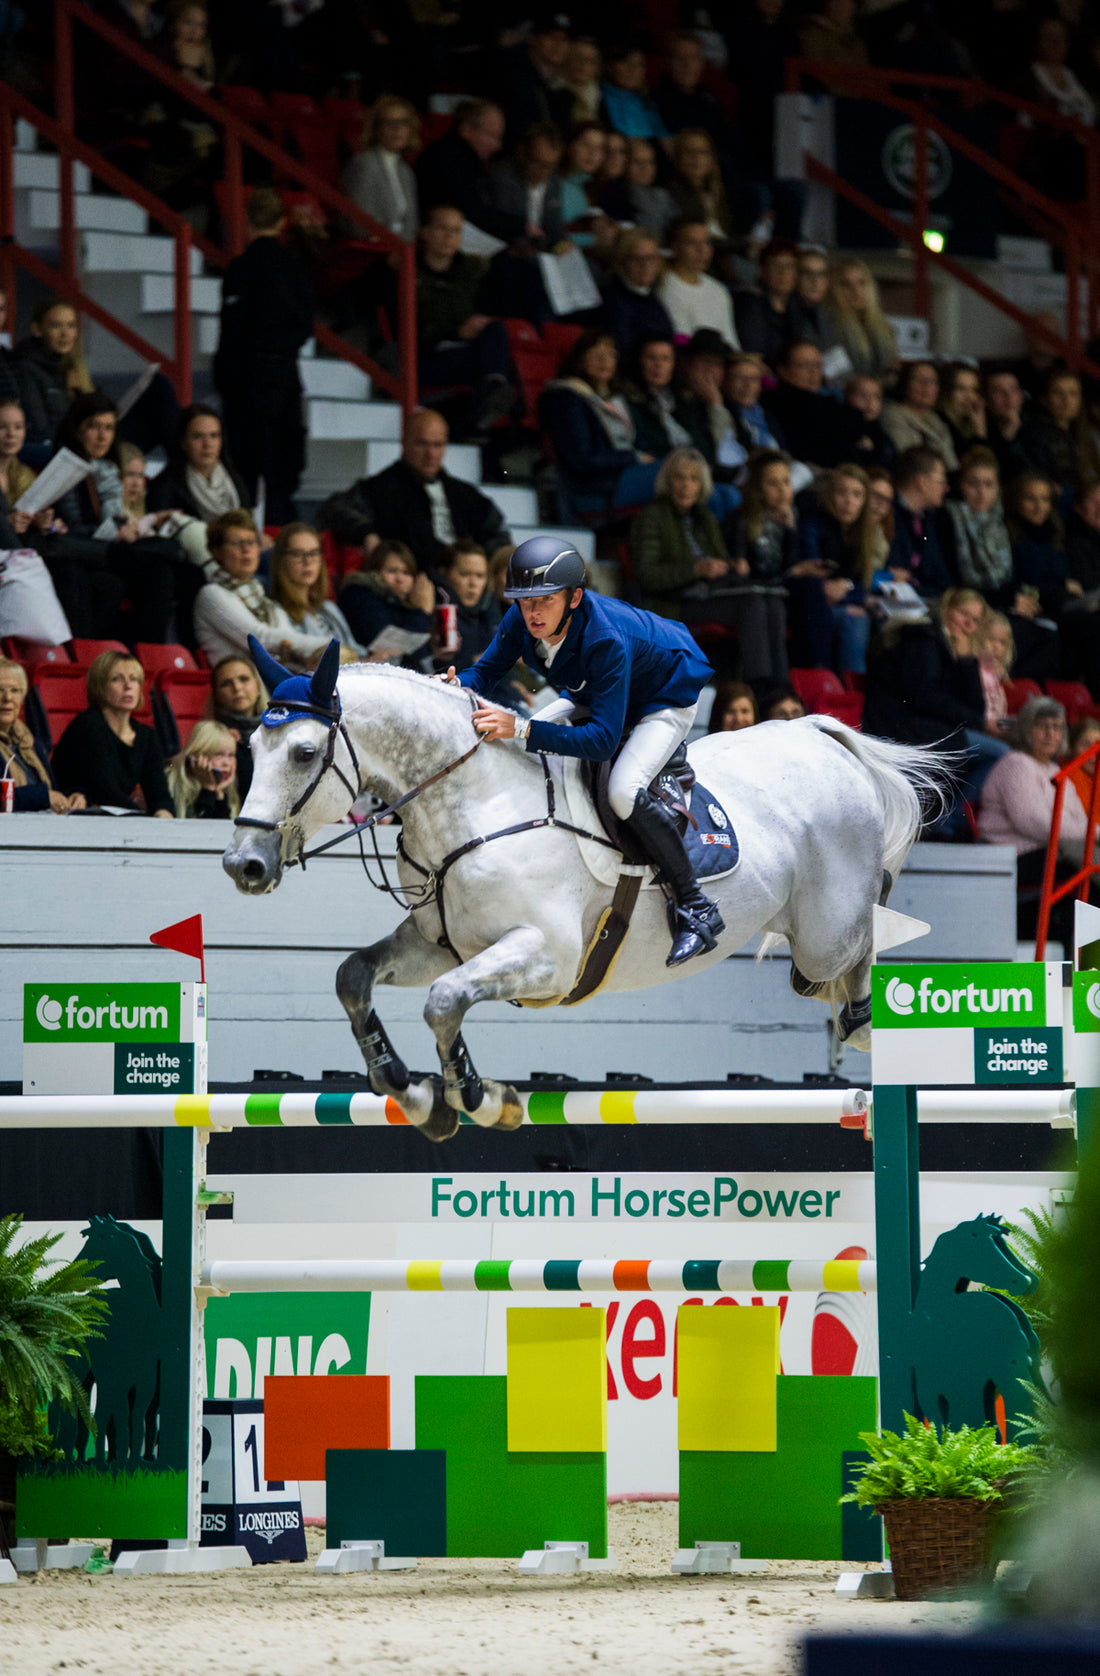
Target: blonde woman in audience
{"points": [[911, 420], [34, 791], [299, 583], [378, 179], [202, 778], [859, 325], [995, 651]]}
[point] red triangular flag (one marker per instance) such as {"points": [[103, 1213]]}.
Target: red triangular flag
{"points": [[185, 937]]}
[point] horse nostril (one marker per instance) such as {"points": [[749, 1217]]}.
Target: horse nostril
{"points": [[254, 872]]}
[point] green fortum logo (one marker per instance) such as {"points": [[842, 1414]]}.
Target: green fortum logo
{"points": [[134, 1012], [957, 996]]}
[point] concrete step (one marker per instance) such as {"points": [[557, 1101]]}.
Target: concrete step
{"points": [[343, 421], [333, 380], [94, 213], [158, 295], [519, 504], [42, 168], [583, 540], [132, 253], [124, 294], [26, 137], [463, 459], [332, 466], [206, 335]]}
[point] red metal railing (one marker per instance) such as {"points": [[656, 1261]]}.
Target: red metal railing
{"points": [[65, 278], [1059, 223], [238, 136], [1079, 882]]}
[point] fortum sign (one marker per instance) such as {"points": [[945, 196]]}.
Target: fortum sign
{"points": [[124, 1038], [989, 1023]]}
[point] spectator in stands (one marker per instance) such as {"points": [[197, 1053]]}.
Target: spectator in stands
{"points": [[609, 192], [585, 145], [1084, 732], [389, 590], [9, 383], [198, 480], [782, 704], [859, 325], [917, 554], [51, 370], [871, 445], [581, 81], [995, 650], [238, 699], [1038, 543], [760, 40], [465, 584], [979, 550], [234, 605], [184, 152], [682, 99], [377, 178], [961, 406], [187, 38], [838, 532], [911, 419], [1054, 160], [94, 571], [1017, 808], [817, 325], [455, 168], [693, 299], [1082, 540], [299, 583], [415, 500], [663, 417], [530, 78], [202, 778], [1056, 439], [632, 306], [648, 204], [627, 105], [22, 759], [752, 427], [458, 342], [1040, 358], [817, 428], [882, 510], [15, 477], [734, 707], [267, 315], [831, 36], [696, 187], [679, 555], [588, 423], [703, 370], [526, 190], [769, 317], [1004, 406], [104, 754]]}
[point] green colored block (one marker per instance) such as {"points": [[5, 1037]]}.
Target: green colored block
{"points": [[500, 1504], [860, 1527], [102, 1502], [396, 1496], [782, 1506]]}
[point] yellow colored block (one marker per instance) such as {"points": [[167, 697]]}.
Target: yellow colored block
{"points": [[425, 1275], [841, 1275], [192, 1111], [557, 1380], [727, 1362], [617, 1107]]}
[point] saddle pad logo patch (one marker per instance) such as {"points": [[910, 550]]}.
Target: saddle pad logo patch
{"points": [[716, 838], [718, 816]]}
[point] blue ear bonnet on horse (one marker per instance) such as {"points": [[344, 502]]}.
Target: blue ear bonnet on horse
{"points": [[296, 695]]}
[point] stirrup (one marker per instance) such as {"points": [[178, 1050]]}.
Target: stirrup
{"points": [[696, 931]]}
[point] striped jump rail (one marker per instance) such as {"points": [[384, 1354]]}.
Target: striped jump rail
{"points": [[530, 1274], [848, 1107]]}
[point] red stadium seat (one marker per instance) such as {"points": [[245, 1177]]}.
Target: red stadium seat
{"points": [[248, 103], [85, 650], [823, 695], [1075, 698], [1017, 694], [340, 558], [186, 692], [31, 653], [60, 701], [76, 673], [156, 660]]}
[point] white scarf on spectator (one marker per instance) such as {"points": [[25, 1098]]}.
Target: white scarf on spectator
{"points": [[611, 411], [214, 494], [250, 593]]}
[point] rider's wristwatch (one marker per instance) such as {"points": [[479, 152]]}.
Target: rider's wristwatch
{"points": [[523, 726]]}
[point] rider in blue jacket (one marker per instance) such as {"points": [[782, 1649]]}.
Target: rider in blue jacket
{"points": [[636, 677]]}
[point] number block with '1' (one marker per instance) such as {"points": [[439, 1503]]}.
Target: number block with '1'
{"points": [[240, 1506]]}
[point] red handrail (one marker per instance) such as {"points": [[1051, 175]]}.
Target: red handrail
{"points": [[65, 279], [1051, 892], [238, 135], [1081, 245]]}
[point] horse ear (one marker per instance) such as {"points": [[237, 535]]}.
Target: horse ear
{"points": [[271, 673], [323, 684]]}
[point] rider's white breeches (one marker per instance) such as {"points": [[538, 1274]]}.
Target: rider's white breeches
{"points": [[644, 755]]}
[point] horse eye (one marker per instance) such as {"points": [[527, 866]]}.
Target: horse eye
{"points": [[304, 753]]}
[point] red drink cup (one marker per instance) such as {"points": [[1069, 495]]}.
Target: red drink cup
{"points": [[7, 797], [446, 628]]}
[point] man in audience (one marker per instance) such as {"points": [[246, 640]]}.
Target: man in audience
{"points": [[817, 428], [917, 554], [526, 189], [416, 501], [455, 168], [682, 99], [531, 84], [458, 343], [1004, 408], [267, 315]]}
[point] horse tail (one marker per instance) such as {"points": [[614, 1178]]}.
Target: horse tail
{"points": [[913, 783]]}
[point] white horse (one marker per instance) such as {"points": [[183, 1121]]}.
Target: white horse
{"points": [[824, 815]]}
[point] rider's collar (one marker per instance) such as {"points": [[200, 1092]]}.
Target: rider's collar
{"points": [[293, 698]]}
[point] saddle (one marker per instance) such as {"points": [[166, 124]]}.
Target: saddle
{"points": [[673, 786]]}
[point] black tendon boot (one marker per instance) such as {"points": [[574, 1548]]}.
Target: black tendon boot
{"points": [[696, 922]]}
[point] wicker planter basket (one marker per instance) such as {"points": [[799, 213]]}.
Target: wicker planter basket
{"points": [[938, 1543]]}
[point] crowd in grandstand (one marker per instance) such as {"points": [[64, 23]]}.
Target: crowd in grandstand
{"points": [[727, 408]]}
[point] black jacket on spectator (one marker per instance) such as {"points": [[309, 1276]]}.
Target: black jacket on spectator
{"points": [[918, 692], [762, 329], [449, 171], [585, 454], [370, 606], [817, 428], [870, 446], [444, 301], [267, 308], [920, 546], [1011, 459], [1083, 552], [9, 383], [91, 759], [477, 625], [395, 506], [168, 491], [631, 315], [43, 393], [524, 94], [508, 192], [698, 109], [650, 435], [1050, 450]]}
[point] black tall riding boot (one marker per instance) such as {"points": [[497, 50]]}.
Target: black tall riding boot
{"points": [[696, 922]]}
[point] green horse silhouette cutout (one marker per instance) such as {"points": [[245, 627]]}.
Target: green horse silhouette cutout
{"points": [[964, 1347], [122, 1367]]}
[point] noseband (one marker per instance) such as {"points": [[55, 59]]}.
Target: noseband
{"points": [[333, 717]]}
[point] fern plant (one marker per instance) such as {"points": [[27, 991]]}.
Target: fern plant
{"points": [[927, 1460], [47, 1311]]}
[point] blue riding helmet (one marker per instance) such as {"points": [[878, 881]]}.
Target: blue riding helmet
{"points": [[542, 565]]}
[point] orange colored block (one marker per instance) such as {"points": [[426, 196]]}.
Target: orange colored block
{"points": [[306, 1414]]}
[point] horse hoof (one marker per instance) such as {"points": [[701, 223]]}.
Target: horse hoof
{"points": [[854, 1024], [511, 1110], [442, 1123]]}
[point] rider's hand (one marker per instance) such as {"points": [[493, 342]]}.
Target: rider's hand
{"points": [[451, 677], [494, 723]]}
